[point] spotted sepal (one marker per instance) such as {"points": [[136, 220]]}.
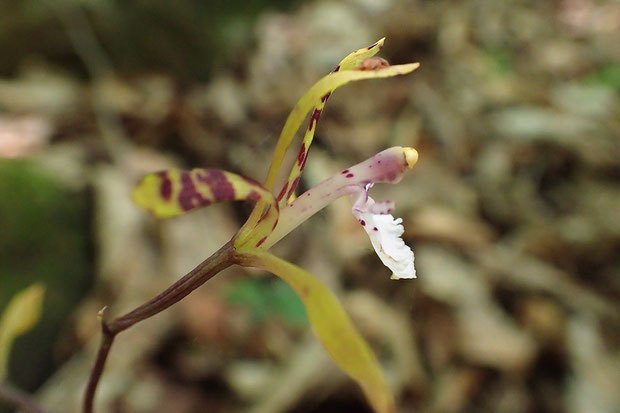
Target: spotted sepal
{"points": [[174, 192], [317, 92], [287, 193]]}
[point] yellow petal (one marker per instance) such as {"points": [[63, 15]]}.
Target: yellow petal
{"points": [[20, 315], [174, 192], [332, 325]]}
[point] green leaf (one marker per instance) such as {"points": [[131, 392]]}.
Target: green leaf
{"points": [[21, 314]]}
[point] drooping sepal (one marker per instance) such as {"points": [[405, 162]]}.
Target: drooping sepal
{"points": [[174, 192], [332, 325]]}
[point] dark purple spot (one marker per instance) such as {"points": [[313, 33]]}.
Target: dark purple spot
{"points": [[165, 187], [303, 164], [220, 186], [259, 243], [274, 225], [389, 210], [375, 229], [349, 176], [378, 161], [337, 68], [265, 215], [282, 192], [316, 114], [302, 154], [308, 194], [293, 186], [325, 97], [363, 222], [346, 171], [189, 197], [371, 46]]}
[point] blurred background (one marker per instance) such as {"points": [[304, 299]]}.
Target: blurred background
{"points": [[513, 210]]}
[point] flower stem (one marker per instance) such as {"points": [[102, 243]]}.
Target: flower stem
{"points": [[220, 260]]}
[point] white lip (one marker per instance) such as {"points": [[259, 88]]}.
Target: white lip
{"points": [[385, 234]]}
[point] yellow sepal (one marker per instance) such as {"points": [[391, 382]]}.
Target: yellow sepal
{"points": [[332, 325]]}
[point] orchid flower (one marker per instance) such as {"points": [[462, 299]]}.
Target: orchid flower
{"points": [[174, 192]]}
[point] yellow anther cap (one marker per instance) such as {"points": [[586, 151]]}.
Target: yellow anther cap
{"points": [[411, 156]]}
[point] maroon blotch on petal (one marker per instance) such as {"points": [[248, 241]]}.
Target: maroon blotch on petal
{"points": [[303, 164], [259, 243], [165, 186], [283, 191], [189, 197], [220, 186], [293, 187], [350, 176], [346, 171], [266, 214], [302, 154], [314, 118]]}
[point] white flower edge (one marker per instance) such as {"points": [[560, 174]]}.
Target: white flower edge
{"points": [[385, 234]]}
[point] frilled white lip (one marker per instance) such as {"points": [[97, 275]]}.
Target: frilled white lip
{"points": [[385, 233]]}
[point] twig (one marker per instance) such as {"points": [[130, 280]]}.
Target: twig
{"points": [[222, 259], [18, 399]]}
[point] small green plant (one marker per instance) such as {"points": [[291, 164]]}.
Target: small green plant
{"points": [[266, 300], [174, 192], [21, 315]]}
